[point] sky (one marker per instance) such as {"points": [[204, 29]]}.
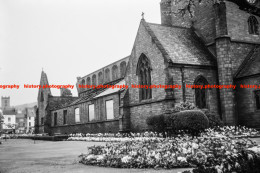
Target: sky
{"points": [[65, 38]]}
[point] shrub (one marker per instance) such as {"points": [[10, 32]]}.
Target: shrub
{"points": [[214, 118], [157, 123], [184, 106], [192, 120]]}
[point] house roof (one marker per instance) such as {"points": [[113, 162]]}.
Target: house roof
{"points": [[180, 45], [9, 112], [251, 64]]}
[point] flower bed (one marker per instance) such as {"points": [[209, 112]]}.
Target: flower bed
{"points": [[165, 153], [218, 132], [231, 131]]}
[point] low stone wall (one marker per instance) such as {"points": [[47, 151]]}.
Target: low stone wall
{"points": [[46, 138]]}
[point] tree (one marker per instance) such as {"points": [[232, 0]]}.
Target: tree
{"points": [[66, 92], [188, 6]]}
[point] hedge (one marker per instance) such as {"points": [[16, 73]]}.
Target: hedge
{"points": [[192, 121]]}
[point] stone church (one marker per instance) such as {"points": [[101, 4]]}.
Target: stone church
{"points": [[219, 45]]}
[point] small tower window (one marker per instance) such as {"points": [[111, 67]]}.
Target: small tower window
{"points": [[253, 25]]}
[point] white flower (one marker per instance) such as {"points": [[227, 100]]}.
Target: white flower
{"points": [[126, 159], [195, 146], [100, 158], [181, 159], [90, 157]]}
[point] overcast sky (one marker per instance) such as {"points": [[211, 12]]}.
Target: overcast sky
{"points": [[67, 38]]}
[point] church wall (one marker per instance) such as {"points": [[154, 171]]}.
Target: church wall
{"points": [[190, 74], [212, 94], [99, 125], [140, 109], [247, 113]]}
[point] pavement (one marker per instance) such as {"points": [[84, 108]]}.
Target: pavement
{"points": [[23, 156]]}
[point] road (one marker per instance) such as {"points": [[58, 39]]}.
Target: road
{"points": [[23, 156]]}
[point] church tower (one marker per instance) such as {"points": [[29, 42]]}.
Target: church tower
{"points": [[230, 30], [43, 97], [5, 102]]}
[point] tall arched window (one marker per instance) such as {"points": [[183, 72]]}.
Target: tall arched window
{"points": [[107, 75], [122, 68], [201, 94], [114, 72], [100, 78], [94, 80], [144, 77], [253, 25], [88, 81]]}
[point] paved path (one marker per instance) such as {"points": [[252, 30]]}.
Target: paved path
{"points": [[23, 156]]}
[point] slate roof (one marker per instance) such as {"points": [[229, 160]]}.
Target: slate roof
{"points": [[95, 92], [111, 90], [10, 111], [251, 64], [90, 94], [58, 102], [180, 45]]}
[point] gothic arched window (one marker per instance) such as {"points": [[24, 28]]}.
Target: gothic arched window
{"points": [[144, 77], [200, 94], [253, 25]]}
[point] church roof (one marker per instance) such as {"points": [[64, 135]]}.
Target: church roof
{"points": [[111, 90], [251, 64], [94, 93], [56, 102], [90, 95], [179, 45]]}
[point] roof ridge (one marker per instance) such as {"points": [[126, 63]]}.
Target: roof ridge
{"points": [[156, 40], [172, 26], [92, 73]]}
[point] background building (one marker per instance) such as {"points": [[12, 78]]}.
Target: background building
{"points": [[9, 120]]}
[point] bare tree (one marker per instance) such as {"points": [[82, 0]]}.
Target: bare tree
{"points": [[188, 6]]}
